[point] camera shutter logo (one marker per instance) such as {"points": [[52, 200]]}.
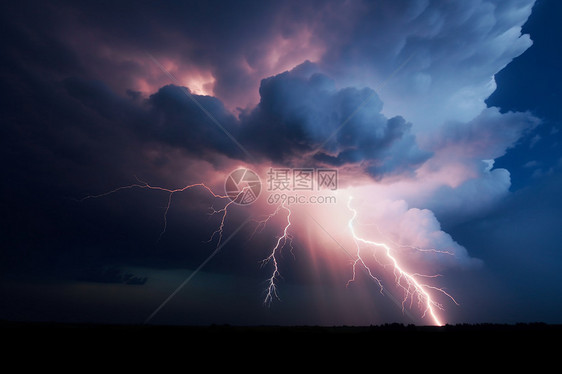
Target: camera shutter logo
{"points": [[242, 186]]}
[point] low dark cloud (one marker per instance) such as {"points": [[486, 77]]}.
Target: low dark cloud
{"points": [[179, 121]]}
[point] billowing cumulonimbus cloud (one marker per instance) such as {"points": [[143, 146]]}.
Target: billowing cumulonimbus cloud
{"points": [[414, 234], [422, 52], [487, 136], [433, 60], [302, 119], [302, 114], [459, 180], [461, 171]]}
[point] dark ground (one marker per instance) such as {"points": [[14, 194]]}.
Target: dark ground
{"points": [[497, 330], [218, 347]]}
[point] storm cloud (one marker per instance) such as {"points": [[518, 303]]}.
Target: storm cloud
{"points": [[391, 92], [302, 115]]}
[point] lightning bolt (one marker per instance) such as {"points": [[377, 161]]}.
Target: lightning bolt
{"points": [[144, 185], [282, 241], [407, 282]]}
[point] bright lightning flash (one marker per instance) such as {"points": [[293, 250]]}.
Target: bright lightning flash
{"points": [[144, 185], [406, 281], [282, 241]]}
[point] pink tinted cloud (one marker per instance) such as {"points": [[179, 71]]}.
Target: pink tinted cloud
{"points": [[199, 80], [230, 73]]}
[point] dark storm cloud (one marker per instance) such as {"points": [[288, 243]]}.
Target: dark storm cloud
{"points": [[91, 51], [108, 40], [65, 134], [168, 117], [302, 112], [299, 114], [180, 122]]}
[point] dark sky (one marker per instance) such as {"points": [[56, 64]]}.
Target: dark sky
{"points": [[396, 95]]}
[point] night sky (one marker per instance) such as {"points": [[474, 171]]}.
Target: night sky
{"points": [[442, 119]]}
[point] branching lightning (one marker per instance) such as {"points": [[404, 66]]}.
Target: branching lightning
{"points": [[414, 291], [144, 185], [412, 288], [282, 241]]}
